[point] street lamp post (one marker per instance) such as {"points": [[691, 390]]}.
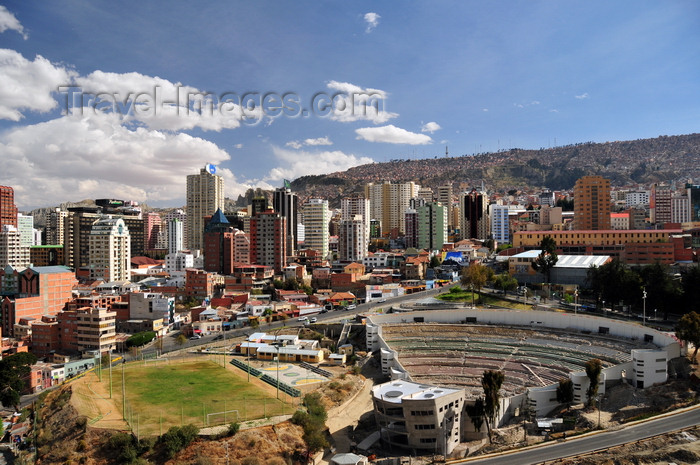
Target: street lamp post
{"points": [[644, 307], [576, 301]]}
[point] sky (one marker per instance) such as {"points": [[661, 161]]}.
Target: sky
{"points": [[123, 100]]}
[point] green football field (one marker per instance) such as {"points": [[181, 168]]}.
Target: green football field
{"points": [[202, 393]]}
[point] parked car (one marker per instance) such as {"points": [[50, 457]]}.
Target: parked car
{"points": [[194, 338], [351, 307], [381, 301], [303, 318], [313, 319]]}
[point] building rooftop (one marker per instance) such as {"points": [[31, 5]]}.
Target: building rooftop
{"points": [[581, 261], [397, 391], [51, 269]]}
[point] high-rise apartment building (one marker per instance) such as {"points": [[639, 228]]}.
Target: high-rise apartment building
{"points": [[76, 232], [388, 204], [500, 226], [219, 245], [109, 250], [474, 217], [350, 207], [268, 240], [285, 202], [636, 199], [25, 226], [12, 252], [316, 218], [241, 253], [352, 239], [205, 194], [547, 198], [694, 201], [592, 203], [176, 236], [411, 223], [660, 210], [680, 209], [425, 193], [55, 226], [432, 226], [258, 205], [445, 197], [151, 228], [8, 209]]}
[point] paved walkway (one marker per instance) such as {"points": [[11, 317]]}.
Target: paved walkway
{"points": [[349, 414]]}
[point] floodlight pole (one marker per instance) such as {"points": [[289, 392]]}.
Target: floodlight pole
{"points": [[110, 373], [644, 299]]}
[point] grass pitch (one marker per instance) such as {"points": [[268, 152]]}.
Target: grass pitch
{"points": [[197, 392]]}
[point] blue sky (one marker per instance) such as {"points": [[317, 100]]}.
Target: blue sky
{"points": [[474, 76]]}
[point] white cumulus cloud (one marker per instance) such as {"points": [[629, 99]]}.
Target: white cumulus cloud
{"points": [[28, 85], [372, 20], [354, 103], [318, 141], [392, 135], [72, 158], [583, 96], [430, 127], [295, 163], [8, 22], [162, 104]]}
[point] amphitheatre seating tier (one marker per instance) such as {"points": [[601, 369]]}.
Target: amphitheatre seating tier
{"points": [[457, 355]]}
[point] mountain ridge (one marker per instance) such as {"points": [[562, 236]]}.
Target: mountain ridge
{"points": [[643, 161]]}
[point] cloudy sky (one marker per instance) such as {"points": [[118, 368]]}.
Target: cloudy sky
{"points": [[104, 99]]}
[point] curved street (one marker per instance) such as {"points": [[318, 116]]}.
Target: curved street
{"points": [[592, 442]]}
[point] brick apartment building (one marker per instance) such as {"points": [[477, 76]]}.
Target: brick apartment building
{"points": [[33, 293]]}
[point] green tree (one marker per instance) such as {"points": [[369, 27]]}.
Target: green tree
{"points": [[313, 422], [593, 369], [233, 428], [177, 438], [181, 339], [663, 292], [547, 258], [139, 339], [690, 288], [688, 330], [491, 381], [476, 413], [505, 282], [475, 276], [14, 371], [565, 392], [614, 282], [434, 262]]}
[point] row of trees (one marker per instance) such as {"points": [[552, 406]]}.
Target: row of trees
{"points": [[616, 283]]}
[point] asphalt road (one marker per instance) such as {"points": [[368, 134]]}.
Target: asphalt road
{"points": [[576, 446]]}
